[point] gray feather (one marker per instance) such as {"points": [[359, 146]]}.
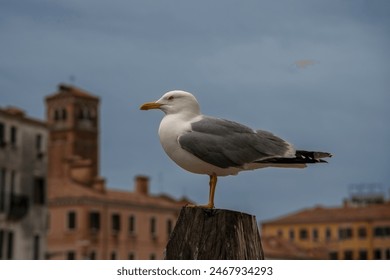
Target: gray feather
{"points": [[226, 144]]}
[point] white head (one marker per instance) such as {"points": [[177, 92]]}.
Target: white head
{"points": [[173, 102]]}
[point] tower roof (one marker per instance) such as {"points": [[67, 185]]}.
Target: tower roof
{"points": [[65, 90]]}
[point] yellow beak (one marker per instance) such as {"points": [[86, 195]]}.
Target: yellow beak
{"points": [[150, 105]]}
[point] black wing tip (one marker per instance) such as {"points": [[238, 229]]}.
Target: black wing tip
{"points": [[313, 154], [301, 157]]}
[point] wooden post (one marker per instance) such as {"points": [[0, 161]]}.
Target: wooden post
{"points": [[214, 234]]}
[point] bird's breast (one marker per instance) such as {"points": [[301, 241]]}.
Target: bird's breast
{"points": [[170, 130]]}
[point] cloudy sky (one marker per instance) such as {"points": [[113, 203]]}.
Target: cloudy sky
{"points": [[315, 73]]}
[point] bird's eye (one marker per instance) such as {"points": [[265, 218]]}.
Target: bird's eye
{"points": [[171, 97]]}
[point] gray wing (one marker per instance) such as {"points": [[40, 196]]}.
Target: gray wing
{"points": [[226, 144]]}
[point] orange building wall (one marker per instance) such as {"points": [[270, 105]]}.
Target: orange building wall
{"points": [[334, 244]]}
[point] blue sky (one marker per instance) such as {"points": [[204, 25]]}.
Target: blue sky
{"points": [[243, 60]]}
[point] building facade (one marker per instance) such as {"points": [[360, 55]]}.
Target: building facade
{"points": [[23, 171], [359, 232], [88, 220]]}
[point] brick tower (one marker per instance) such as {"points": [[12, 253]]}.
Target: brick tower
{"points": [[72, 116]]}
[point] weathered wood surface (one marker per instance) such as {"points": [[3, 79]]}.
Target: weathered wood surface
{"points": [[214, 234]]}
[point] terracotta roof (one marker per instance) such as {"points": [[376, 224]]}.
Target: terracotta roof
{"points": [[162, 200], [277, 248], [75, 193], [19, 114], [336, 214], [65, 90]]}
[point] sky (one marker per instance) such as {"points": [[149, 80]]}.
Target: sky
{"points": [[315, 73]]}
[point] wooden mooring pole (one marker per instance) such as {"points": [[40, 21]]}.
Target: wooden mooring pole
{"points": [[214, 234]]}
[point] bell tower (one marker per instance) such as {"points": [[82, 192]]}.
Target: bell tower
{"points": [[73, 121]]}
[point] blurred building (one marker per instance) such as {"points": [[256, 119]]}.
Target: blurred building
{"points": [[278, 248], [87, 220], [23, 168], [360, 230]]}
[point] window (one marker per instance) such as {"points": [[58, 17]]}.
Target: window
{"points": [[84, 114], [94, 221], [328, 234], [378, 232], [13, 134], [169, 227], [362, 232], [292, 234], [153, 226], [1, 243], [71, 220], [132, 224], [2, 189], [303, 234], [12, 182], [377, 254], [12, 188], [60, 114], [56, 115], [131, 256], [81, 114], [348, 255], [64, 114], [71, 255], [10, 246], [382, 231], [387, 254], [2, 135], [315, 234], [36, 247], [92, 255], [280, 233], [115, 222], [38, 142], [345, 233], [39, 191], [39, 146], [363, 255], [48, 221]]}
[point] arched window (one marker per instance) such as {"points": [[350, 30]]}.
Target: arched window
{"points": [[84, 113], [80, 114], [169, 227], [64, 114], [152, 226], [56, 115], [87, 113], [132, 224]]}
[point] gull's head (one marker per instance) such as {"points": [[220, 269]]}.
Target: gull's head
{"points": [[176, 101]]}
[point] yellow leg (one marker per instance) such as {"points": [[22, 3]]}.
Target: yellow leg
{"points": [[212, 184]]}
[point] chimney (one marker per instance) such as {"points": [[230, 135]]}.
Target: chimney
{"points": [[141, 184]]}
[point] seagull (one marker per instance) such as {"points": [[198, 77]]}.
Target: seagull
{"points": [[217, 147]]}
